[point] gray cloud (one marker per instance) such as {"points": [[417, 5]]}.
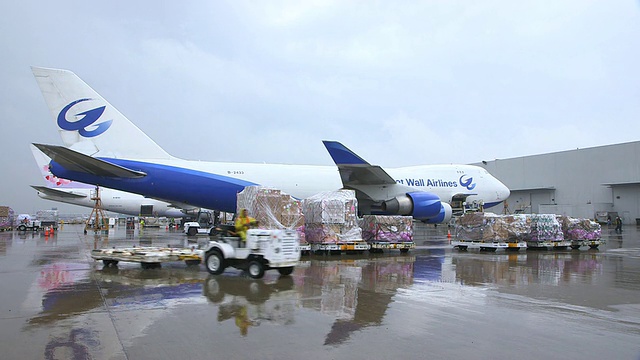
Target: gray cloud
{"points": [[421, 82]]}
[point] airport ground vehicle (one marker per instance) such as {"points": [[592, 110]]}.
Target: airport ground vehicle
{"points": [[262, 251], [205, 224], [26, 222]]}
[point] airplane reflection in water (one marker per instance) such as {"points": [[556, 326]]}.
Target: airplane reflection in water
{"points": [[355, 291], [129, 287]]}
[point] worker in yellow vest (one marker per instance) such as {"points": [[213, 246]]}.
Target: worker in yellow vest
{"points": [[243, 223]]}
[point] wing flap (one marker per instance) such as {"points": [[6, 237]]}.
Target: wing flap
{"points": [[76, 161], [58, 193]]}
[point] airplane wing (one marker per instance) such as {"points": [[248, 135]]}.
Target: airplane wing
{"points": [[58, 193], [353, 169], [76, 161]]}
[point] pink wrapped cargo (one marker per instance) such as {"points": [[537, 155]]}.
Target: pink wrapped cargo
{"points": [[387, 228], [6, 218]]}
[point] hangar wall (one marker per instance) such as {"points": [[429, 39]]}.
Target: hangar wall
{"points": [[576, 183]]}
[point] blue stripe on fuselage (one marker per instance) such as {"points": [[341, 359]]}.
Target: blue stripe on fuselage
{"points": [[171, 183]]}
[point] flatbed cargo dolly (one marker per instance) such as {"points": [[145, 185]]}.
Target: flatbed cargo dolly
{"points": [[488, 246], [338, 247], [304, 248], [380, 246], [541, 245], [593, 244], [148, 257]]}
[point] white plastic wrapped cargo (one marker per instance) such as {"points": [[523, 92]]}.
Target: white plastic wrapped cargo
{"points": [[489, 227], [331, 217], [545, 227], [272, 208]]}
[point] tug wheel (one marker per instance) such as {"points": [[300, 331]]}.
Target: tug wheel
{"points": [[256, 269]]}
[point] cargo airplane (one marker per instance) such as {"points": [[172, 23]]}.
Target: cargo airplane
{"points": [[74, 193], [102, 147]]}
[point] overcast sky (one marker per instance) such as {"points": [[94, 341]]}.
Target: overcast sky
{"points": [[415, 82]]}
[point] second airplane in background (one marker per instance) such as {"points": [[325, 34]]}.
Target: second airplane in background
{"points": [[104, 148], [74, 193]]}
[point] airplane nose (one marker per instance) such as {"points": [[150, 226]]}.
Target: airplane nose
{"points": [[504, 192]]}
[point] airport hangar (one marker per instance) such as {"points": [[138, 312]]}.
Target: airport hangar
{"points": [[584, 183]]}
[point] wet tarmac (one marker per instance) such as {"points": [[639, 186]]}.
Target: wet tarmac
{"points": [[432, 303]]}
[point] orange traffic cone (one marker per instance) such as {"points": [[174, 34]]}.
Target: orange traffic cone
{"points": [[449, 234], [46, 231]]}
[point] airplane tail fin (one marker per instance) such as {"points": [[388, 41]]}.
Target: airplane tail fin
{"points": [[50, 180], [88, 123]]}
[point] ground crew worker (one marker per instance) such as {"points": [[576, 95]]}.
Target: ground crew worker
{"points": [[243, 222], [618, 225]]}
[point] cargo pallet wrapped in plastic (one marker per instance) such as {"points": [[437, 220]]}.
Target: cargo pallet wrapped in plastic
{"points": [[581, 232], [272, 209], [331, 217], [491, 228], [536, 231], [6, 218], [580, 229], [389, 228]]}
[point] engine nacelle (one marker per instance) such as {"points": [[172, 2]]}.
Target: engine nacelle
{"points": [[443, 217], [420, 205]]}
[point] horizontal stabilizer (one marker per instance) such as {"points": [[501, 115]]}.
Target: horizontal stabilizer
{"points": [[353, 169], [58, 193], [75, 161]]}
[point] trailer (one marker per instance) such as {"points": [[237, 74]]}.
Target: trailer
{"points": [[541, 245], [380, 246], [148, 256], [463, 245], [338, 247], [592, 244], [304, 248], [48, 219]]}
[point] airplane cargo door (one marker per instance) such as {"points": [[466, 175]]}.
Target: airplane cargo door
{"points": [[146, 210]]}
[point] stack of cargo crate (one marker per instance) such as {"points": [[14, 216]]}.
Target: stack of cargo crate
{"points": [[488, 227], [6, 218], [331, 217], [579, 229], [272, 208], [545, 228], [390, 228]]}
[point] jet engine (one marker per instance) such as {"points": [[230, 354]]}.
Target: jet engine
{"points": [[420, 205], [443, 217]]}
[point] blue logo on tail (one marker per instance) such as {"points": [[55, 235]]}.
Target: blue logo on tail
{"points": [[88, 119], [467, 183]]}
